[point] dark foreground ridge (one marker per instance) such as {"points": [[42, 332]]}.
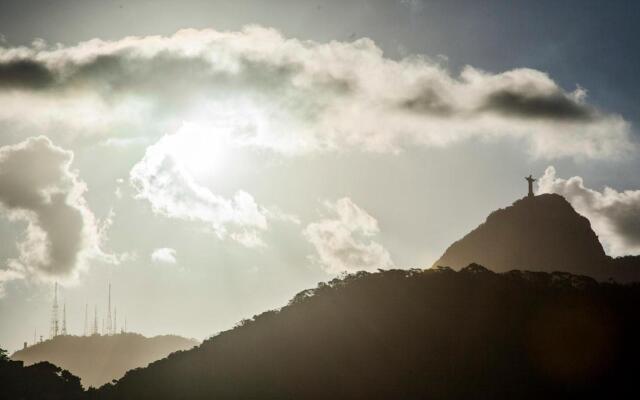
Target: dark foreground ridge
{"points": [[541, 233], [99, 359], [39, 381], [432, 334]]}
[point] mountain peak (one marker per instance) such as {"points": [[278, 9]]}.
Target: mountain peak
{"points": [[542, 233]]}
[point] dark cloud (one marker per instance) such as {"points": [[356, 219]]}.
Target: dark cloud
{"points": [[107, 69], [165, 74], [38, 186], [27, 74], [428, 101], [554, 106], [178, 83], [328, 95]]}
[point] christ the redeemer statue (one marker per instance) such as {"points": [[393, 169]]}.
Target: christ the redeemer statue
{"points": [[530, 180]]}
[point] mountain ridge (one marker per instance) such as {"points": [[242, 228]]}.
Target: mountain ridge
{"points": [[436, 333], [98, 359]]}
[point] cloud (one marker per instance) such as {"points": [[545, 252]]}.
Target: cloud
{"points": [[554, 106], [164, 255], [37, 186], [342, 241], [297, 96], [165, 178], [248, 238], [24, 74], [614, 215], [124, 142]]}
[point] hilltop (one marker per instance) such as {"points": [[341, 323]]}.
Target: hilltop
{"points": [[99, 359], [436, 334], [540, 233]]}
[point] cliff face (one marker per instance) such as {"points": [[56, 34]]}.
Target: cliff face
{"points": [[541, 233], [100, 359]]}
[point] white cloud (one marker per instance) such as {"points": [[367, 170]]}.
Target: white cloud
{"points": [[297, 96], [343, 241], [165, 178], [614, 215], [248, 238], [38, 186], [124, 142], [165, 255]]}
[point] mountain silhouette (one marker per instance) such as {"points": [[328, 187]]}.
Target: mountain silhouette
{"points": [[539, 233], [99, 359], [417, 334]]}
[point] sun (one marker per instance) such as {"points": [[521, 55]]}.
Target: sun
{"points": [[215, 135], [204, 150]]}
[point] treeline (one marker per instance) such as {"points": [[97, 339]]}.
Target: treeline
{"points": [[41, 381]]}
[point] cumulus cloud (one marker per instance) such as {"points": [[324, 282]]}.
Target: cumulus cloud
{"points": [[614, 215], [309, 96], [342, 241], [38, 187], [165, 255], [165, 178]]}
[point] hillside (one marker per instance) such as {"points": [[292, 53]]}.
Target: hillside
{"points": [[436, 334], [99, 359], [541, 233]]}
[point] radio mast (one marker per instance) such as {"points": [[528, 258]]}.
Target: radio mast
{"points": [[54, 313], [64, 319], [109, 320]]}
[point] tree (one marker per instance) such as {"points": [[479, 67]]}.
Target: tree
{"points": [[3, 355]]}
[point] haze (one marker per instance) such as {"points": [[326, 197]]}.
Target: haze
{"points": [[212, 159]]}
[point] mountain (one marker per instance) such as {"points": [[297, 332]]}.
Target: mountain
{"points": [[417, 334], [540, 233], [98, 359]]}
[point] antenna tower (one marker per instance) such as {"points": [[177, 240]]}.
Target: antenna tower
{"points": [[109, 320], [95, 320], [54, 313], [64, 319]]}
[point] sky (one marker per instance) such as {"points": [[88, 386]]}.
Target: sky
{"points": [[211, 159]]}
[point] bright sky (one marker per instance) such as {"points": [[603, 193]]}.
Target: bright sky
{"points": [[211, 159]]}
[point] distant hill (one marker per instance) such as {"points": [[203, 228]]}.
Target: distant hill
{"points": [[541, 233], [99, 359], [432, 334]]}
